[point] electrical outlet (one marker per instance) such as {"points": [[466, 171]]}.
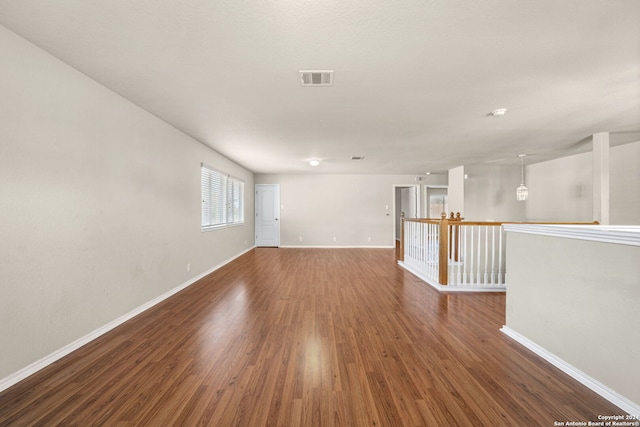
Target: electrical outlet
{"points": [[335, 238], [188, 267], [300, 238], [369, 239]]}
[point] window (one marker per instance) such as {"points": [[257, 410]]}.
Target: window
{"points": [[222, 199]]}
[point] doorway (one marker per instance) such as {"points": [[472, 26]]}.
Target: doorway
{"points": [[406, 205], [436, 201]]}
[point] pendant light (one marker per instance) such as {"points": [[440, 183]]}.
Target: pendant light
{"points": [[522, 193]]}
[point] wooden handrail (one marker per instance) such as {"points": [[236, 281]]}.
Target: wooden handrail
{"points": [[499, 223], [493, 223]]}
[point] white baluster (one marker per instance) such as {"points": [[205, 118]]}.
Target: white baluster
{"points": [[418, 249], [465, 278], [436, 252], [478, 252], [486, 255], [420, 245], [407, 242], [433, 245], [406, 245], [470, 277], [452, 259], [459, 262], [501, 278], [416, 236], [425, 243], [414, 245], [430, 249], [493, 256], [410, 239]]}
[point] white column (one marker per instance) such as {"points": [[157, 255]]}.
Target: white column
{"points": [[455, 192], [601, 177]]}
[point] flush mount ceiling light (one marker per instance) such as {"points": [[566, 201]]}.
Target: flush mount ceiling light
{"points": [[314, 162], [498, 112], [522, 192]]}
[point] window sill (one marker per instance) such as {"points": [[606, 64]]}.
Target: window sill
{"points": [[218, 227]]}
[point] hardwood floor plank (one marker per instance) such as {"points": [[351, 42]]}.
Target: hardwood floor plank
{"points": [[308, 337]]}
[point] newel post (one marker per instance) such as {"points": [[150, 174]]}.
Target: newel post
{"points": [[454, 236], [443, 256]]}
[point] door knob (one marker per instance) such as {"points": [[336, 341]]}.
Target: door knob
{"points": [[276, 219]]}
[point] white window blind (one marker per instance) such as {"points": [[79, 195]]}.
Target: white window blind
{"points": [[222, 199]]}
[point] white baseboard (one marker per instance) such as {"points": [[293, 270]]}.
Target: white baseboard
{"points": [[335, 247], [448, 288], [31, 369], [604, 391]]}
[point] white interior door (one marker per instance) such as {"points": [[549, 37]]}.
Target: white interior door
{"points": [[268, 215], [409, 202]]}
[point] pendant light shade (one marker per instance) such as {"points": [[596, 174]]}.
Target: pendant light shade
{"points": [[522, 192]]}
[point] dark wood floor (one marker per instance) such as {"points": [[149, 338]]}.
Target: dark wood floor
{"points": [[306, 337]]}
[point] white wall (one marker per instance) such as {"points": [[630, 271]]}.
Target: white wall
{"points": [[456, 191], [100, 206], [625, 184], [582, 307], [560, 189], [490, 194], [350, 208]]}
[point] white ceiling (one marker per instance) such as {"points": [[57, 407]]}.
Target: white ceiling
{"points": [[415, 80]]}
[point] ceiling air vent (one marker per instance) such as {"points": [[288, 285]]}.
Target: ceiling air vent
{"points": [[316, 77], [357, 157]]}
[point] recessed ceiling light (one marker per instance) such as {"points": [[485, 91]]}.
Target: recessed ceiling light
{"points": [[314, 162], [499, 112], [427, 173]]}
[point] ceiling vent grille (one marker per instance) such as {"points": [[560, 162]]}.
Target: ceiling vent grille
{"points": [[316, 77], [357, 157]]}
